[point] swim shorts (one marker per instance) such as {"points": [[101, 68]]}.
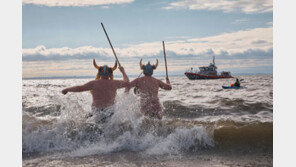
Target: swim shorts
{"points": [[99, 115]]}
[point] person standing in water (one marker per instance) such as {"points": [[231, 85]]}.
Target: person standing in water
{"points": [[103, 91], [148, 90]]}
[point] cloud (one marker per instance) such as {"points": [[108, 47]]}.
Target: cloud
{"points": [[227, 6], [259, 42], [240, 21], [76, 3], [85, 67], [65, 53], [105, 7], [253, 43]]}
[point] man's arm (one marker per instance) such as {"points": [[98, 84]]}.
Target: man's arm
{"points": [[125, 82], [131, 84], [125, 77], [121, 84], [166, 86], [81, 88]]}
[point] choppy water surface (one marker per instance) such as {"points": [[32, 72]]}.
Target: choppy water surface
{"points": [[202, 123]]}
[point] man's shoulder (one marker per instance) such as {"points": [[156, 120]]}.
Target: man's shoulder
{"points": [[104, 82], [92, 82], [116, 81], [155, 79], [150, 79], [96, 80]]}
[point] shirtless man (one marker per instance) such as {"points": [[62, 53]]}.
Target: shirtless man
{"points": [[103, 91], [148, 89]]}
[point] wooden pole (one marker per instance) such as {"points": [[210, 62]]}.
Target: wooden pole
{"points": [[111, 45], [166, 67], [140, 74]]}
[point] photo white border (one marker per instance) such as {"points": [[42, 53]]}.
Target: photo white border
{"points": [[283, 77], [284, 81], [11, 83]]}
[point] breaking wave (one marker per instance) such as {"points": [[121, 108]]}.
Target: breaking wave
{"points": [[128, 130], [192, 122]]}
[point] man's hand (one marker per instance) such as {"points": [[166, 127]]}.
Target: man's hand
{"points": [[167, 80], [125, 77], [121, 69], [64, 91]]}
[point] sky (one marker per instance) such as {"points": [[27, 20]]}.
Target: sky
{"points": [[61, 37]]}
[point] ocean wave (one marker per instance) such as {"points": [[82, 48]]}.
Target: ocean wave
{"points": [[198, 116], [178, 109], [49, 110], [257, 135], [85, 139], [144, 135]]}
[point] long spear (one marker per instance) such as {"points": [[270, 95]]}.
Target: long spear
{"points": [[166, 67], [111, 45]]}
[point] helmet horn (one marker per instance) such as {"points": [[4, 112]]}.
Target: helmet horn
{"points": [[141, 65], [115, 66], [155, 66], [95, 64]]}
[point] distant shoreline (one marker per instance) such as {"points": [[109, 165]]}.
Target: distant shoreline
{"points": [[131, 76]]}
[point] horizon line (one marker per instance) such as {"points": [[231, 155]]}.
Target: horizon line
{"points": [[131, 76]]}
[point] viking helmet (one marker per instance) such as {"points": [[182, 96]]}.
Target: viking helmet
{"points": [[104, 70], [148, 68]]}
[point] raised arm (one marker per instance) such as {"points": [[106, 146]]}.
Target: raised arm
{"points": [[81, 88], [125, 77], [125, 82], [165, 86]]}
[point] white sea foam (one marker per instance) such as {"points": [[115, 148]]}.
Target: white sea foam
{"points": [[127, 130], [56, 122]]}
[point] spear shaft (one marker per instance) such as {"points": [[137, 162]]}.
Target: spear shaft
{"points": [[111, 45], [166, 67]]}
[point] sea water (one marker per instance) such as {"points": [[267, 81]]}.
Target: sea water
{"points": [[202, 124]]}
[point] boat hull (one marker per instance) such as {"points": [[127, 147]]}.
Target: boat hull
{"points": [[233, 87], [195, 76]]}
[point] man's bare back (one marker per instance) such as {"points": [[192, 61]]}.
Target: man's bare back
{"points": [[103, 90], [148, 88]]}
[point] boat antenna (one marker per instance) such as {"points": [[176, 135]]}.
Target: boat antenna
{"points": [[214, 60]]}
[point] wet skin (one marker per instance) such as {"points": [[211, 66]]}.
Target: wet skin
{"points": [[148, 88], [103, 90]]}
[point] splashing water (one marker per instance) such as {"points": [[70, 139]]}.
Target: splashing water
{"points": [[206, 118]]}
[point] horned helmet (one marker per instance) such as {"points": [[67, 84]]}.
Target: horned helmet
{"points": [[104, 70], [148, 68]]}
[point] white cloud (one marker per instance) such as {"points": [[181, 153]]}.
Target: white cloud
{"points": [[66, 51], [77, 3], [254, 42], [240, 21], [85, 67], [105, 7], [245, 6], [239, 41]]}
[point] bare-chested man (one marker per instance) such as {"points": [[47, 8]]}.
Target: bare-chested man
{"points": [[103, 91], [148, 89]]}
